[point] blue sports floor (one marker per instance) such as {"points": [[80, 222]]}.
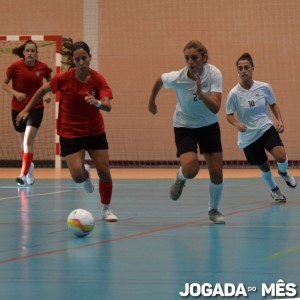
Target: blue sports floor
{"points": [[157, 246]]}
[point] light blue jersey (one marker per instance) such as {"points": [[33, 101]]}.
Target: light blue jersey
{"points": [[251, 107], [191, 112]]}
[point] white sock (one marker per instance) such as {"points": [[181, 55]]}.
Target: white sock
{"points": [[269, 179], [180, 175], [282, 167], [215, 195]]}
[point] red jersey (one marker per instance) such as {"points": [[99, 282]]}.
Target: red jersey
{"points": [[77, 118], [27, 80]]}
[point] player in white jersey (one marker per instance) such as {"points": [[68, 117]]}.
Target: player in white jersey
{"points": [[251, 100], [198, 92]]}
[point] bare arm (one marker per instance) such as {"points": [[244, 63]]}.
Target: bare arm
{"points": [[213, 102], [156, 88], [103, 103], [6, 87], [233, 121], [39, 94], [276, 112], [47, 97]]}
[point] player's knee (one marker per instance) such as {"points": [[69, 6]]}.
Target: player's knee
{"points": [[104, 176], [281, 159], [216, 176], [79, 178], [192, 171]]}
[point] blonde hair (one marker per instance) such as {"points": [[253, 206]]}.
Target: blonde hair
{"points": [[199, 47]]}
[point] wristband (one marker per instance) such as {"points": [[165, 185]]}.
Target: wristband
{"points": [[98, 104]]}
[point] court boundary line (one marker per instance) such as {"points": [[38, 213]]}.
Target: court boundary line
{"points": [[35, 195], [130, 236]]}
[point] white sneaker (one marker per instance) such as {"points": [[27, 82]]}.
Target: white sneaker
{"points": [[176, 188], [108, 215], [277, 195], [21, 180], [289, 179], [216, 217], [30, 177], [87, 184]]}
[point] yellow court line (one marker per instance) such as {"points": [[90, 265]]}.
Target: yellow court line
{"points": [[283, 252]]}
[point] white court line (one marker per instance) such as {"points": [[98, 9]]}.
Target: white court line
{"points": [[36, 195]]}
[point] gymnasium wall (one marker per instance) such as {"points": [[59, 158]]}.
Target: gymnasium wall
{"points": [[140, 39]]}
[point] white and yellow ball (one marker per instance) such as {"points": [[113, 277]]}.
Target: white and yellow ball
{"points": [[80, 222]]}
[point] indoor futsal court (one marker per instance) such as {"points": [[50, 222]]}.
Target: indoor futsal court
{"points": [[157, 245], [159, 249]]}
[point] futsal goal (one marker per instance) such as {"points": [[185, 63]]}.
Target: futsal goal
{"points": [[46, 147]]}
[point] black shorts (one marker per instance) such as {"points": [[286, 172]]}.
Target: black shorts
{"points": [[255, 152], [34, 119], [72, 145], [208, 139]]}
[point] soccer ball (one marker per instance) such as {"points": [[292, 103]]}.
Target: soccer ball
{"points": [[80, 222]]}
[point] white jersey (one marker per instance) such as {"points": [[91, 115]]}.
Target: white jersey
{"points": [[252, 110], [191, 112]]}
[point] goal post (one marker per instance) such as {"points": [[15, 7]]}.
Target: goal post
{"points": [[47, 149]]}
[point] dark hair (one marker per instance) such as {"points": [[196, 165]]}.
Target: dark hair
{"points": [[199, 47], [245, 56], [19, 50], [68, 49]]}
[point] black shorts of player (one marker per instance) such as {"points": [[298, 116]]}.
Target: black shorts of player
{"points": [[208, 139], [34, 119], [72, 145], [255, 152]]}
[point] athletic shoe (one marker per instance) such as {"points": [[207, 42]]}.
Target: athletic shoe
{"points": [[108, 215], [87, 184], [289, 179], [21, 180], [277, 195], [30, 177], [176, 188], [216, 217]]}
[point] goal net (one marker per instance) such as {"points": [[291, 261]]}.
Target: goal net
{"points": [[46, 149]]}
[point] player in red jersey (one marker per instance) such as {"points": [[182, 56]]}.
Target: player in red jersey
{"points": [[84, 93], [27, 76]]}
